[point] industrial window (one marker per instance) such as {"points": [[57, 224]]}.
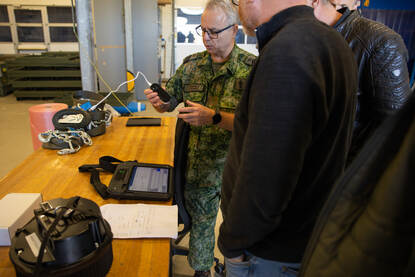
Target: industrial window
{"points": [[62, 34], [191, 18], [28, 16], [187, 20], [30, 34], [240, 37], [5, 34], [60, 14], [251, 40], [4, 16]]}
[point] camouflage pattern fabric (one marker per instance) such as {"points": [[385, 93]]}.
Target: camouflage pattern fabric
{"points": [[221, 90], [195, 81], [202, 204]]}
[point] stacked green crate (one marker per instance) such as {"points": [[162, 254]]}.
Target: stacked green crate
{"points": [[5, 84], [48, 75]]}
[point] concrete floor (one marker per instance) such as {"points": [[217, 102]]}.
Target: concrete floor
{"points": [[16, 145]]}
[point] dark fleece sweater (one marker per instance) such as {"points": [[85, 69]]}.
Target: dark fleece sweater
{"points": [[291, 134]]}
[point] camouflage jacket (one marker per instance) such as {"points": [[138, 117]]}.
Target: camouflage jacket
{"points": [[194, 80]]}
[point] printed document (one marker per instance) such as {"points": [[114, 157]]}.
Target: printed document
{"points": [[141, 220]]}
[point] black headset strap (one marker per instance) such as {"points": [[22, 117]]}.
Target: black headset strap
{"points": [[106, 163], [109, 163], [101, 188]]}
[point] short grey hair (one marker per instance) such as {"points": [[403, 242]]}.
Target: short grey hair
{"points": [[227, 7]]}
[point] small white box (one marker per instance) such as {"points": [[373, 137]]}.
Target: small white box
{"points": [[16, 209]]}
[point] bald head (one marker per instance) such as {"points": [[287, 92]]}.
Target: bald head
{"points": [[254, 13], [325, 11], [351, 4]]}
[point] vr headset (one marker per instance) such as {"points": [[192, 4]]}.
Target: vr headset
{"points": [[66, 237]]}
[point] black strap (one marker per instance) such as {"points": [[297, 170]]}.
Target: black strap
{"points": [[109, 163], [98, 118], [97, 115], [64, 126], [106, 163], [57, 144], [101, 188], [72, 203], [97, 131]]}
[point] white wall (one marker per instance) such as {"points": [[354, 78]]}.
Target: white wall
{"points": [[64, 46], [7, 48], [190, 3], [37, 2]]}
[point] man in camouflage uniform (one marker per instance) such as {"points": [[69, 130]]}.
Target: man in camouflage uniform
{"points": [[210, 84]]}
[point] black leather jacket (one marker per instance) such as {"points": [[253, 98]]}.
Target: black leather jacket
{"points": [[383, 73]]}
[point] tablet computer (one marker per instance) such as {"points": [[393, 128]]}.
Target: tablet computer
{"points": [[143, 121], [132, 180]]}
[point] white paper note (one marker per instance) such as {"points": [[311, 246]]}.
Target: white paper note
{"points": [[141, 220]]}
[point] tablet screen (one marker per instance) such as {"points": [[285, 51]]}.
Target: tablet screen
{"points": [[149, 179]]}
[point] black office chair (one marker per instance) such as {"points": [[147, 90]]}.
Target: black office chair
{"points": [[180, 159]]}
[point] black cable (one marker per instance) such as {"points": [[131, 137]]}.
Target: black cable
{"points": [[73, 19]]}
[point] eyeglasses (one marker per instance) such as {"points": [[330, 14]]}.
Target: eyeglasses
{"points": [[235, 2], [212, 34]]}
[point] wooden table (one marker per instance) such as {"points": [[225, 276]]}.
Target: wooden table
{"points": [[57, 176]]}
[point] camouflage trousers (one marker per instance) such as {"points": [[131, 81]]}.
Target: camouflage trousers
{"points": [[202, 204]]}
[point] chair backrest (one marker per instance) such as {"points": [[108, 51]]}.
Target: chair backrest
{"points": [[179, 171]]}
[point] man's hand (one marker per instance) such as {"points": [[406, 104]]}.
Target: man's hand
{"points": [[155, 100], [196, 114]]}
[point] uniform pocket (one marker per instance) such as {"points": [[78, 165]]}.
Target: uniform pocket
{"points": [[194, 96], [194, 92]]}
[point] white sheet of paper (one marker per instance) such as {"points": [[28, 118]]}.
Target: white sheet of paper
{"points": [[141, 220]]}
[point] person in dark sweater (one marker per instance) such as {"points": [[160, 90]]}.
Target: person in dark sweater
{"points": [[292, 130]]}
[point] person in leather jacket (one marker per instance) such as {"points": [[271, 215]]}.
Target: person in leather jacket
{"points": [[382, 58]]}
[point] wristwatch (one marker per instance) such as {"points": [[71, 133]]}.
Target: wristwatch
{"points": [[216, 118]]}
